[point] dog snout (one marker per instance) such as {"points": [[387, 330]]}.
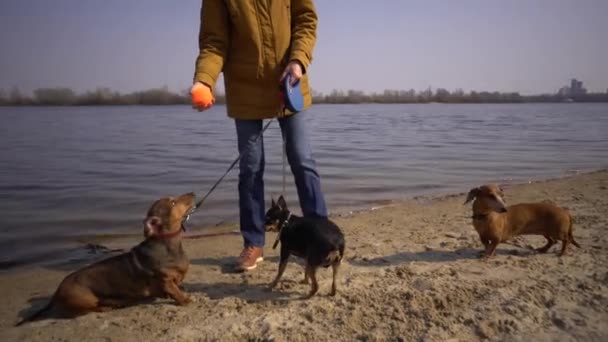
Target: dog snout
{"points": [[188, 198], [271, 225]]}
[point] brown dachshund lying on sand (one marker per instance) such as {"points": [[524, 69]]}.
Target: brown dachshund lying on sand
{"points": [[496, 223], [154, 268]]}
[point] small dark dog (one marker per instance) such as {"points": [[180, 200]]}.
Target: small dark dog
{"points": [[318, 241], [154, 268]]}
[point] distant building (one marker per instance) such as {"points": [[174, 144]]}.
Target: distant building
{"points": [[575, 88]]}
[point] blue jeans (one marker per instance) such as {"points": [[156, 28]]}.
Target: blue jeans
{"points": [[251, 174]]}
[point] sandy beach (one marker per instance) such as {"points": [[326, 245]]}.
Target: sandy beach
{"points": [[411, 273]]}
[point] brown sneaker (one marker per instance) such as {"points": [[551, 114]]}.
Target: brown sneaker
{"points": [[249, 258]]}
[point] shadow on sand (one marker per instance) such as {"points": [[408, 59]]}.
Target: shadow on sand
{"points": [[431, 256], [227, 264]]}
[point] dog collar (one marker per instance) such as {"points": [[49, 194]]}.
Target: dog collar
{"points": [[168, 235], [283, 225]]}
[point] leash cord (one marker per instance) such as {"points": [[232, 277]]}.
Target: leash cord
{"points": [[284, 157], [199, 203]]}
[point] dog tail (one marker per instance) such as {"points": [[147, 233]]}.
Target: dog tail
{"points": [[37, 314], [570, 236]]}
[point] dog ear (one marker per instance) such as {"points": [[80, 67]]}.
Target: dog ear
{"points": [[272, 202], [153, 222], [152, 225], [282, 202], [471, 196]]}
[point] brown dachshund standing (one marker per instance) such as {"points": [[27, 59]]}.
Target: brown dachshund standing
{"points": [[154, 268], [496, 223]]}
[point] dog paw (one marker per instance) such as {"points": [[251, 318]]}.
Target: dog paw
{"points": [[185, 301]]}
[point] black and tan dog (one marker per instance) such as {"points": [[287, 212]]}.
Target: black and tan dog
{"points": [[154, 268], [319, 241], [496, 223]]}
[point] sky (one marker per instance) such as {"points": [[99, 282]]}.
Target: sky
{"points": [[530, 46]]}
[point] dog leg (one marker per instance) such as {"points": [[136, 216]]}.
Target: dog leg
{"points": [[565, 243], [305, 280], [180, 278], [490, 249], [493, 245], [75, 300], [335, 266], [485, 254], [545, 248], [485, 244], [282, 266], [114, 303], [171, 288], [314, 286]]}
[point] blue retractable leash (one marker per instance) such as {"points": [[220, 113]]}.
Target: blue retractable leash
{"points": [[292, 95], [294, 101]]}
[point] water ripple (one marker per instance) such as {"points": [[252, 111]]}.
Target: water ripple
{"points": [[71, 171]]}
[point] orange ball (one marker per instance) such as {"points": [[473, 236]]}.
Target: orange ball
{"points": [[202, 96]]}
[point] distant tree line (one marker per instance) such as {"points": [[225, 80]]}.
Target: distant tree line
{"points": [[162, 96], [441, 95], [98, 97]]}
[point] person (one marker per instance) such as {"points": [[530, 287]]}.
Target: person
{"points": [[255, 44]]}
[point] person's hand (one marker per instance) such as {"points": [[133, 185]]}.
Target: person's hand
{"points": [[206, 103], [294, 69]]}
